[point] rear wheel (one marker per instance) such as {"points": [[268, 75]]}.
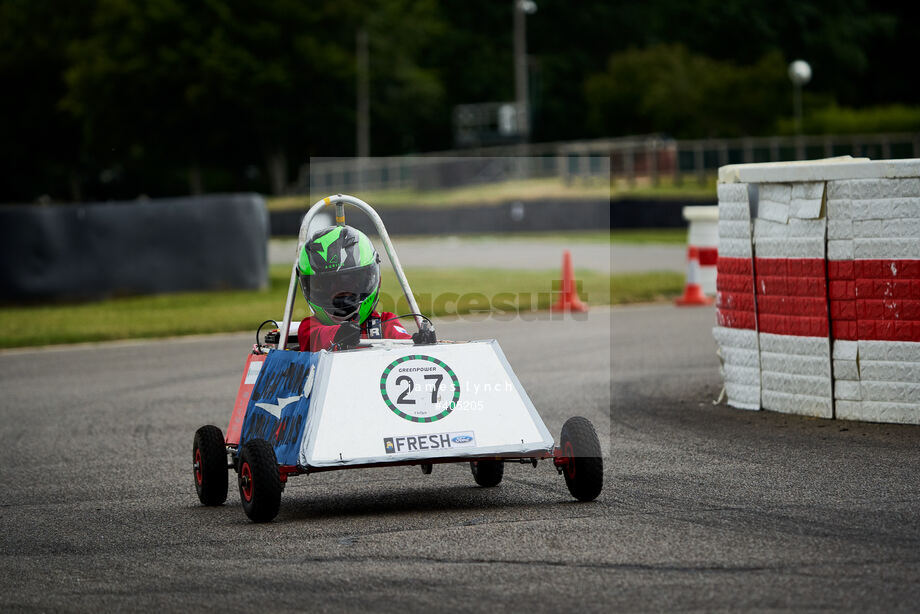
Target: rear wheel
{"points": [[487, 472], [259, 481], [209, 464], [584, 467]]}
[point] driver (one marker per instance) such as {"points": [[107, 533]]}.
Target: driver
{"points": [[339, 273]]}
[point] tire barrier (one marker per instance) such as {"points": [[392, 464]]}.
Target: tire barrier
{"points": [[98, 250], [818, 304], [703, 234]]}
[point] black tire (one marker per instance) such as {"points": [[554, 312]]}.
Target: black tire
{"points": [[259, 481], [584, 471], [487, 473], [209, 465]]}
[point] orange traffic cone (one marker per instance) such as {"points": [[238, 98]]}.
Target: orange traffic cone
{"points": [[568, 299], [693, 293]]}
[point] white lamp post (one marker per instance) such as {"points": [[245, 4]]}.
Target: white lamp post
{"points": [[520, 9], [799, 74]]}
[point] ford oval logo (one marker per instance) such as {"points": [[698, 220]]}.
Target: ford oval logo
{"points": [[462, 439]]}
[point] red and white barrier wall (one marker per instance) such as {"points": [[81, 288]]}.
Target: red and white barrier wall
{"points": [[818, 288]]}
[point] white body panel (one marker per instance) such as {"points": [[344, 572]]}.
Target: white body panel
{"points": [[485, 409]]}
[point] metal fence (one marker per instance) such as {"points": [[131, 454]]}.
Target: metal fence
{"points": [[700, 157], [631, 159]]}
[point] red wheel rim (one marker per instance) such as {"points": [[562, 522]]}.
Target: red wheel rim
{"points": [[246, 481], [198, 466], [569, 452]]}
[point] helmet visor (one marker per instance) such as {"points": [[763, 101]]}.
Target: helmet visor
{"points": [[340, 293]]}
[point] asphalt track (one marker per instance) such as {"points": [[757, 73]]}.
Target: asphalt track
{"points": [[705, 507]]}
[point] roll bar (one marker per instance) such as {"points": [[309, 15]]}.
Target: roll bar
{"points": [[340, 200]]}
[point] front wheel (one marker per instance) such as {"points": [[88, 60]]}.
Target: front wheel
{"points": [[259, 481], [487, 473], [209, 464], [584, 467]]}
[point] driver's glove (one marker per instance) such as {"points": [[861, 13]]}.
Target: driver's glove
{"points": [[347, 336], [423, 337]]}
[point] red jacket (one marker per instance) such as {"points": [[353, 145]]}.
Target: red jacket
{"points": [[315, 336]]}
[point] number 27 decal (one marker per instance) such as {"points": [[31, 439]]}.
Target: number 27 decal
{"points": [[402, 400], [417, 371]]}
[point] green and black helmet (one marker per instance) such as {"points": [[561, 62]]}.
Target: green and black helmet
{"points": [[339, 272]]}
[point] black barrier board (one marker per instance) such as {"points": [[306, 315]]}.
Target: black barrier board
{"points": [[98, 250]]}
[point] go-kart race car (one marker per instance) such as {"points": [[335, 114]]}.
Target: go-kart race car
{"points": [[388, 402]]}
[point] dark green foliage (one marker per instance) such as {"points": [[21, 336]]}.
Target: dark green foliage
{"points": [[40, 144], [668, 89], [116, 98], [841, 120]]}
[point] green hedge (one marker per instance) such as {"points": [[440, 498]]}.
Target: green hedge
{"points": [[842, 120]]}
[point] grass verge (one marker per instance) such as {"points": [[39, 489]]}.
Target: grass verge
{"points": [[530, 189], [439, 292]]}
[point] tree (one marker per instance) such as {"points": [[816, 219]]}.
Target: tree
{"points": [[840, 38], [216, 83], [40, 143], [111, 98], [222, 83], [666, 88], [407, 89]]}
